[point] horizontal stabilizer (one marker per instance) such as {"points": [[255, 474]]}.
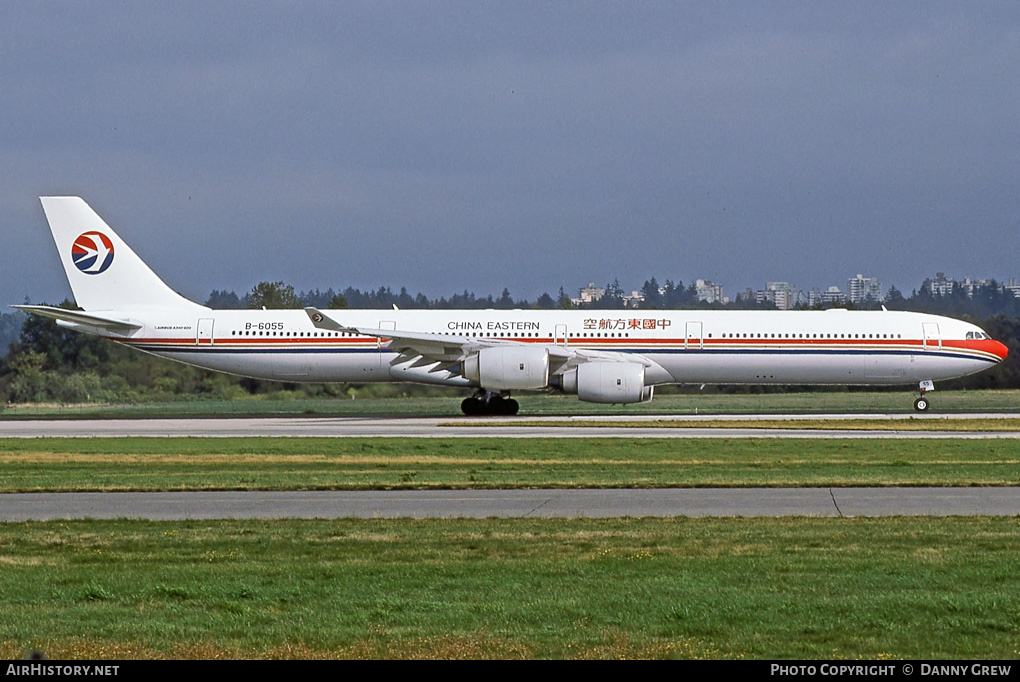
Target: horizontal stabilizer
{"points": [[79, 317]]}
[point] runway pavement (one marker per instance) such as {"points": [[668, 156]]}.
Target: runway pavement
{"points": [[452, 427], [1003, 501], [597, 503]]}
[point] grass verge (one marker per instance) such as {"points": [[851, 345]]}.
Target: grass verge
{"points": [[995, 425], [537, 404], [119, 464], [617, 588]]}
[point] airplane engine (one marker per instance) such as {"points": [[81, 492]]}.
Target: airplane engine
{"points": [[509, 368], [608, 382]]}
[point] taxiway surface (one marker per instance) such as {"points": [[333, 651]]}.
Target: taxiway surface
{"points": [[450, 427], [1000, 501], [591, 503]]}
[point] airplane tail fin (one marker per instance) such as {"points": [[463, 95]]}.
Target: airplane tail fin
{"points": [[103, 271]]}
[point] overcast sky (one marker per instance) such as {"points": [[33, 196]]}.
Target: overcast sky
{"points": [[445, 146]]}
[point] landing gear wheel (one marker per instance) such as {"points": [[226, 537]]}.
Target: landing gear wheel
{"points": [[496, 404], [922, 404], [472, 407]]}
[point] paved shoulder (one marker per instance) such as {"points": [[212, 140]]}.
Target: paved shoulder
{"points": [[515, 503], [432, 427]]}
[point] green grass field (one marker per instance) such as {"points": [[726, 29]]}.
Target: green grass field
{"points": [[109, 464], [618, 588], [955, 425], [789, 588], [540, 404]]}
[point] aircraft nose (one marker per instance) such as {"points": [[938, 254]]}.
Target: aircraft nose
{"points": [[1000, 350]]}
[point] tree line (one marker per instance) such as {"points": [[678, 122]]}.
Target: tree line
{"points": [[46, 363], [282, 296]]}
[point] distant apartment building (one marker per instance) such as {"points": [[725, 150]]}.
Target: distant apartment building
{"points": [[969, 285], [588, 294], [709, 291], [775, 293], [833, 296], [860, 289], [781, 294], [941, 285], [814, 298], [634, 300]]}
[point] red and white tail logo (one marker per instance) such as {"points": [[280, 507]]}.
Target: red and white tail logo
{"points": [[92, 253]]}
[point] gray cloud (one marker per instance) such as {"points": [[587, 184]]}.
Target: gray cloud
{"points": [[444, 146]]}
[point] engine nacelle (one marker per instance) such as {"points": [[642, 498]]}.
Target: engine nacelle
{"points": [[509, 368], [608, 382]]}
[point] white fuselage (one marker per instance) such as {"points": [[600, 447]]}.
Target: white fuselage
{"points": [[678, 347], [601, 356]]}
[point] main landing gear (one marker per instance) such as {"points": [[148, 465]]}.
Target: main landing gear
{"points": [[921, 404], [486, 403]]}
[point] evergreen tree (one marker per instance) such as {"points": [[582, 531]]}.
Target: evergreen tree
{"points": [[338, 302], [504, 302], [563, 301], [894, 299], [273, 296], [545, 302], [223, 300], [653, 297]]}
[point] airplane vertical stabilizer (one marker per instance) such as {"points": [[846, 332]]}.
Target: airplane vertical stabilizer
{"points": [[103, 271]]}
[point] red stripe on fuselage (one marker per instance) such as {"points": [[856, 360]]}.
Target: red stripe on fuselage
{"points": [[989, 346], [982, 346]]}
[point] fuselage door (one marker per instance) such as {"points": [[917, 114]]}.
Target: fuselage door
{"points": [[560, 335], [932, 338], [692, 338], [204, 331], [386, 324]]}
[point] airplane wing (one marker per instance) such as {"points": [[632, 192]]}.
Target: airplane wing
{"points": [[431, 347], [448, 348], [80, 317]]}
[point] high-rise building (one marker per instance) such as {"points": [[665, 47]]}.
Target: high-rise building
{"points": [[589, 294], [635, 299], [833, 296], [782, 295], [941, 285], [709, 291], [861, 288]]}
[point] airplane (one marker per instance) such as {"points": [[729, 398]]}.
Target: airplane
{"points": [[602, 356]]}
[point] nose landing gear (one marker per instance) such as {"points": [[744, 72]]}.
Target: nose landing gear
{"points": [[921, 404]]}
